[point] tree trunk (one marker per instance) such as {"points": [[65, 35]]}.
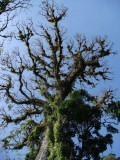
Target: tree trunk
{"points": [[43, 152]]}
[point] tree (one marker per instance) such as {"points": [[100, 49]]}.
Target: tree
{"points": [[7, 10], [41, 96], [111, 157]]}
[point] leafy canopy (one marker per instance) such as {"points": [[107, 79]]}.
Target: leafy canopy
{"points": [[38, 84]]}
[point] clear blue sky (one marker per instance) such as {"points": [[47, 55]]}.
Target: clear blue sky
{"points": [[95, 17]]}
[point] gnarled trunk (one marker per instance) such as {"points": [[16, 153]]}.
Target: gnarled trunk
{"points": [[43, 152]]}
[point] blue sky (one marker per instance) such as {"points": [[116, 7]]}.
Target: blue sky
{"points": [[93, 17]]}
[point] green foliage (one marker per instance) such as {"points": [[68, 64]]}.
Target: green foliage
{"points": [[82, 119], [79, 118], [31, 155], [114, 110], [110, 157], [30, 134], [112, 129], [46, 76]]}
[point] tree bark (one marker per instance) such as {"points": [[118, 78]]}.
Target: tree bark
{"points": [[43, 152]]}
